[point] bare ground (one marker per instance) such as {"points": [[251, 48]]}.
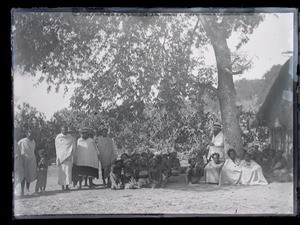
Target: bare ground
{"points": [[176, 198]]}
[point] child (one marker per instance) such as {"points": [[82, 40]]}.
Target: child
{"points": [[155, 174], [116, 175], [193, 173], [42, 166], [143, 173], [128, 175]]}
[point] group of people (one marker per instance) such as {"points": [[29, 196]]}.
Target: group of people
{"points": [[218, 167], [78, 162]]}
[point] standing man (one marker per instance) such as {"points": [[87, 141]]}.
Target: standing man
{"points": [[108, 153], [217, 143], [27, 146], [65, 146]]}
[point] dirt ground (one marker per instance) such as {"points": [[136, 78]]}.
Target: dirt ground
{"points": [[176, 198]]}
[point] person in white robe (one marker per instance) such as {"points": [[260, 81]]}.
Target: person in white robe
{"points": [[65, 146], [18, 165], [108, 153], [252, 173], [86, 158], [217, 143], [212, 169], [27, 147], [231, 170]]}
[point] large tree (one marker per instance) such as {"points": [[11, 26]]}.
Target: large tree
{"points": [[122, 58]]}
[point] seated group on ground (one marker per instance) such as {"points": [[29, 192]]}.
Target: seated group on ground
{"points": [[233, 171], [145, 170]]}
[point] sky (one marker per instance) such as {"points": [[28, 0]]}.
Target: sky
{"points": [[273, 36]]}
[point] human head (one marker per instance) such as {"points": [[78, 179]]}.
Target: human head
{"points": [[29, 134], [216, 157], [231, 153], [124, 156], [247, 157], [64, 129], [104, 132], [192, 161], [153, 162], [84, 133], [41, 152]]}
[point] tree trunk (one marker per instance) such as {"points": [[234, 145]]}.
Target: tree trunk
{"points": [[226, 91]]}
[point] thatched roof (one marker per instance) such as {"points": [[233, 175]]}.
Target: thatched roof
{"points": [[277, 109]]}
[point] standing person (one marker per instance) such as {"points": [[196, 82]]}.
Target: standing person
{"points": [[65, 146], [42, 165], [108, 153], [18, 165], [27, 146], [217, 143], [86, 158]]}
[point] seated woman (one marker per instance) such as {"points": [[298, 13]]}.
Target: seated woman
{"points": [[231, 170], [212, 169], [128, 175], [155, 174], [143, 173], [115, 175], [252, 173], [278, 167], [193, 173]]}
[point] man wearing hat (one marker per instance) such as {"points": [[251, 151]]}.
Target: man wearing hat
{"points": [[65, 146], [217, 143]]}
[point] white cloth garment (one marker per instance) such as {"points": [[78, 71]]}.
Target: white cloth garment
{"points": [[28, 157], [218, 147], [231, 172], [86, 153], [252, 174]]}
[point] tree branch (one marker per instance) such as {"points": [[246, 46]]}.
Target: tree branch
{"points": [[234, 72]]}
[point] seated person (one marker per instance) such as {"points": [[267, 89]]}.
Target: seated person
{"points": [[251, 172], [128, 175], [212, 169], [116, 175], [155, 174], [143, 173], [278, 167], [193, 173], [175, 164], [231, 170]]}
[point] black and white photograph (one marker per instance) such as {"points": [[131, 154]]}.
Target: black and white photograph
{"points": [[153, 111]]}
